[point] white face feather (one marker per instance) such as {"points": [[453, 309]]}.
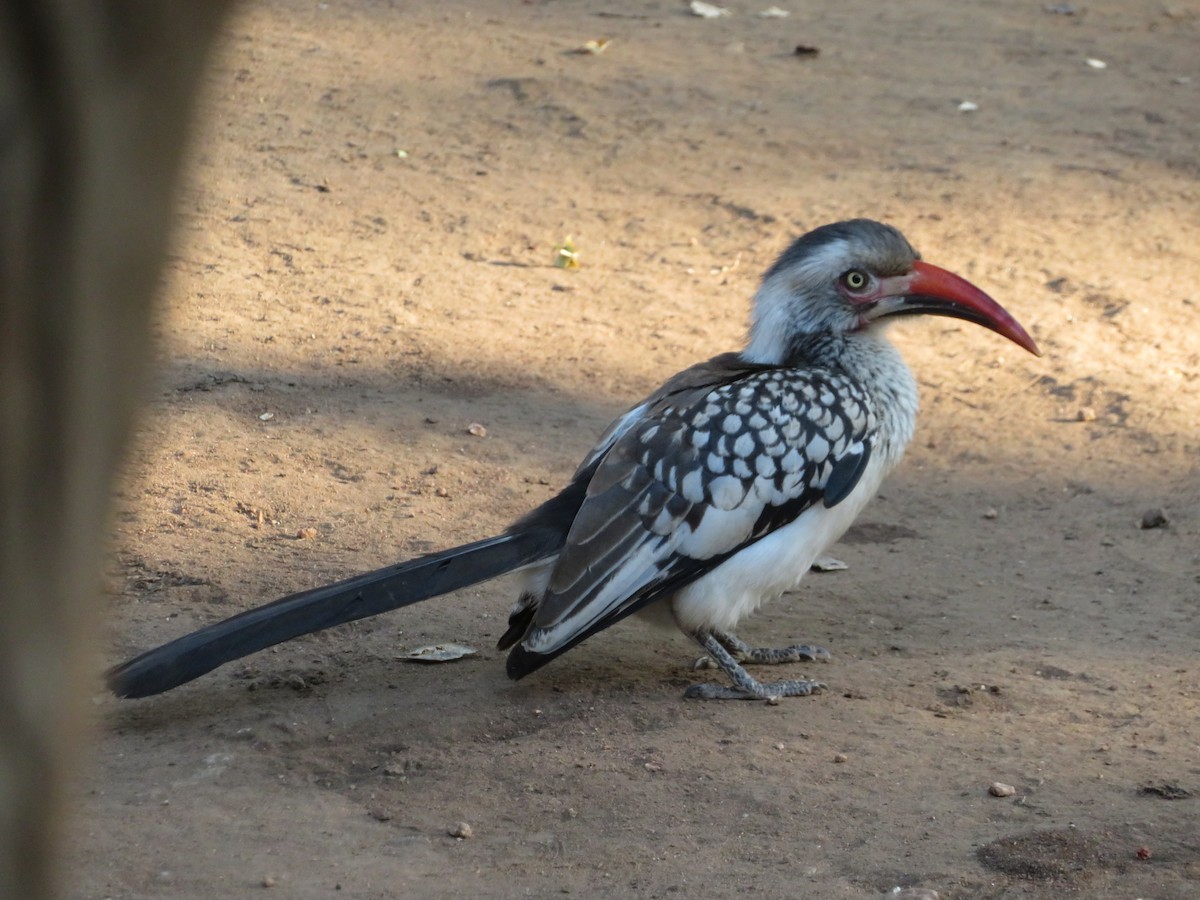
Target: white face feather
{"points": [[769, 325], [798, 299]]}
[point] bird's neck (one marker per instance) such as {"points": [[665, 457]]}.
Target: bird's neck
{"points": [[871, 360]]}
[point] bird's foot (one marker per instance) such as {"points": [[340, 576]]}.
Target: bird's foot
{"points": [[771, 692], [761, 656], [773, 656], [745, 686]]}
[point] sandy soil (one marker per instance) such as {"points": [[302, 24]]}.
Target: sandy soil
{"points": [[338, 313]]}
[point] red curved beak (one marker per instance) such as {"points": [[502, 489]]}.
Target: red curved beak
{"points": [[932, 290]]}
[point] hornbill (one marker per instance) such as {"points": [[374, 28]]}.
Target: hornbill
{"points": [[713, 495]]}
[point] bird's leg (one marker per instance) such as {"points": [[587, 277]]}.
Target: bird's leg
{"points": [[762, 656], [745, 687]]}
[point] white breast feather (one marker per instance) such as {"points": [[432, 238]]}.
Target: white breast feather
{"points": [[772, 565]]}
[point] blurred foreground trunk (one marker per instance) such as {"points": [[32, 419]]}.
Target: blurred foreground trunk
{"points": [[94, 102]]}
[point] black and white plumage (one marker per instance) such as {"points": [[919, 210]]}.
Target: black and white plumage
{"points": [[707, 499]]}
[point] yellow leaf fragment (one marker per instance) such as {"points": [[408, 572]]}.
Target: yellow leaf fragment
{"points": [[565, 255]]}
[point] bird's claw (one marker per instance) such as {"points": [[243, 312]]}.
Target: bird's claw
{"points": [[812, 653]]}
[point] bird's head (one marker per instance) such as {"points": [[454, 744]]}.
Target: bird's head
{"points": [[847, 277]]}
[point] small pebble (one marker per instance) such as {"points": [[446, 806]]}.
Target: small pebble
{"points": [[476, 430], [990, 513], [707, 10], [828, 564], [307, 534], [1000, 789], [1154, 518], [1086, 414], [268, 881], [840, 757], [1143, 853], [461, 830]]}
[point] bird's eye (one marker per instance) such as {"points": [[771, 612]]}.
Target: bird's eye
{"points": [[856, 279]]}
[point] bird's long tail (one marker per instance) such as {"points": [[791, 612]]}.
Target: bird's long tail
{"points": [[390, 588]]}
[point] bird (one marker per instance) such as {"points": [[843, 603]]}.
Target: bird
{"points": [[710, 497]]}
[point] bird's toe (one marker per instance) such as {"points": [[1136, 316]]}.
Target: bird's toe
{"points": [[715, 692]]}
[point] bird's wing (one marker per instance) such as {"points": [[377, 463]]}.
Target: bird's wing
{"points": [[724, 454]]}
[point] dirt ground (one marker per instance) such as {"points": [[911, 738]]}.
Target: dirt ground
{"points": [[363, 269]]}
